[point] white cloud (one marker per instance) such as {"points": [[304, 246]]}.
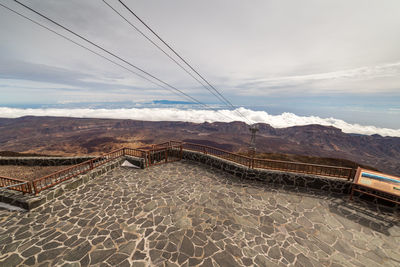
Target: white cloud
{"points": [[28, 84], [367, 72], [366, 79], [199, 116]]}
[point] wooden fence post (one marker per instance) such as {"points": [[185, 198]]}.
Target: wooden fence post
{"points": [[352, 173], [30, 187], [35, 187]]}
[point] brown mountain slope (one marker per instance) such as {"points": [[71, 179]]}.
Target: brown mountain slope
{"points": [[73, 136]]}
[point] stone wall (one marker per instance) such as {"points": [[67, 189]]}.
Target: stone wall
{"points": [[334, 185], [140, 162], [43, 161]]}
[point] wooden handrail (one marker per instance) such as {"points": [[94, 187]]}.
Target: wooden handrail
{"points": [[341, 172], [70, 172], [15, 184]]}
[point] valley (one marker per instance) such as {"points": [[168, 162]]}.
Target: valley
{"points": [[84, 136]]}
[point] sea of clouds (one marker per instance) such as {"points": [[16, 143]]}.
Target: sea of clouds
{"points": [[197, 115]]}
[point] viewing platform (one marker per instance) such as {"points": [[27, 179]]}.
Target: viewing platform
{"points": [[194, 212]]}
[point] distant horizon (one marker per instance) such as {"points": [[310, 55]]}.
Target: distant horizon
{"points": [[376, 116], [162, 111]]}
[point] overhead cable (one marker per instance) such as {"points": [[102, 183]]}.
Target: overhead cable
{"points": [[160, 48], [112, 54], [180, 57], [84, 47]]}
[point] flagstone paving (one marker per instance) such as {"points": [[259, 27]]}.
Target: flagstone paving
{"points": [[186, 214]]}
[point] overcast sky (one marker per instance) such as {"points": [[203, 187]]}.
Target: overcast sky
{"points": [[336, 59]]}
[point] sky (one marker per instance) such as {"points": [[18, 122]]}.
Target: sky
{"points": [[331, 60]]}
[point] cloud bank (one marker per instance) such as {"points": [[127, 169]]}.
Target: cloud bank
{"points": [[198, 116]]}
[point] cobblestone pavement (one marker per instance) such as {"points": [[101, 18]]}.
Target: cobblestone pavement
{"points": [[184, 213]]}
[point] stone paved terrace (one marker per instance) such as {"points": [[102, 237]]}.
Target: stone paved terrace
{"points": [[186, 214]]}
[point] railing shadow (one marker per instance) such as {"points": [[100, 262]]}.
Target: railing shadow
{"points": [[366, 214]]}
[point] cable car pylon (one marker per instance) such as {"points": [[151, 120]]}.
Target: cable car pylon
{"points": [[252, 148]]}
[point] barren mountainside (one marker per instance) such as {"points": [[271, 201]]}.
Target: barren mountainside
{"points": [[77, 136]]}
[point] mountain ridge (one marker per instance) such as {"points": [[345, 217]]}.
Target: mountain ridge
{"points": [[77, 136]]}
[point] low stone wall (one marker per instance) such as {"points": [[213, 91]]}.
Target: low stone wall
{"points": [[334, 185], [43, 161], [136, 161]]}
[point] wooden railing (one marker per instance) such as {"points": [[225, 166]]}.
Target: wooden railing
{"points": [[107, 157], [163, 153], [53, 179], [134, 152], [243, 160], [169, 152], [297, 167], [15, 184]]}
